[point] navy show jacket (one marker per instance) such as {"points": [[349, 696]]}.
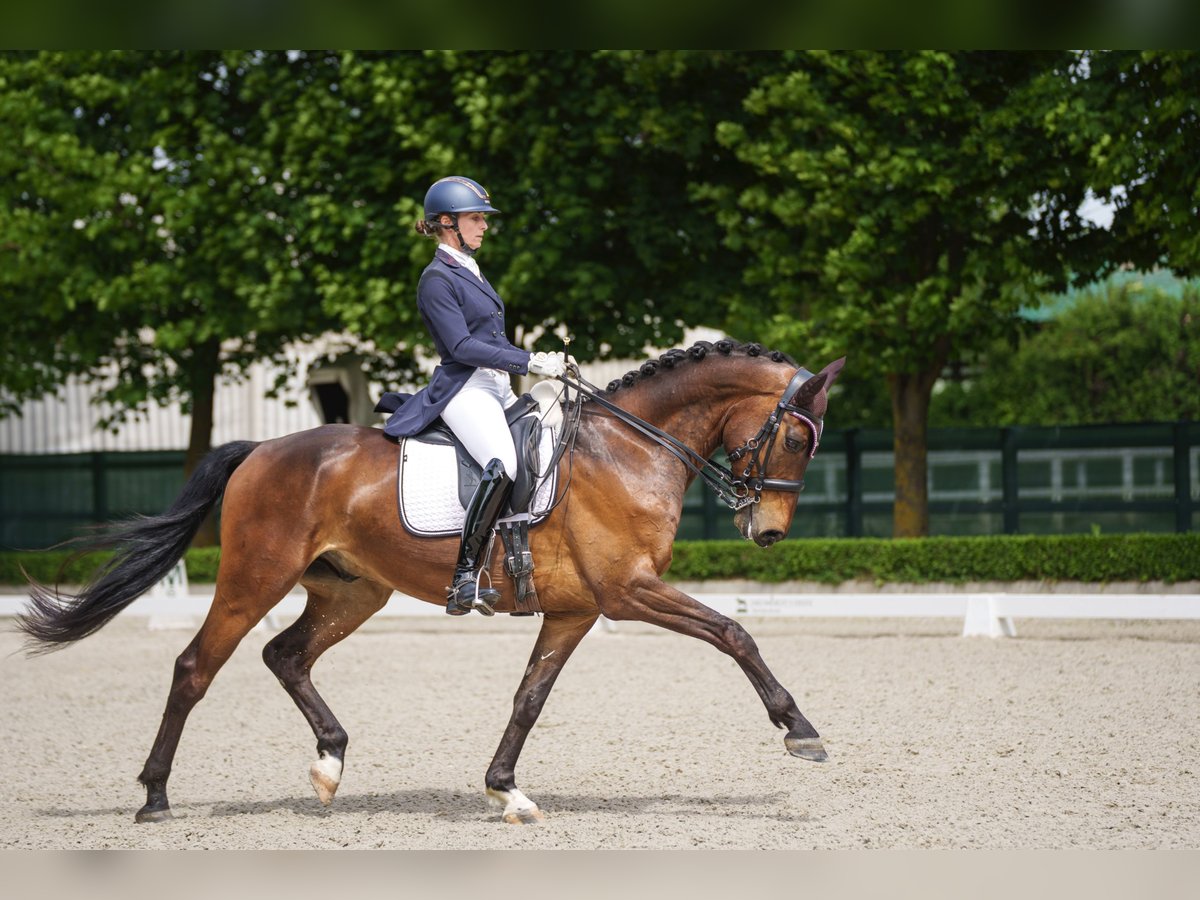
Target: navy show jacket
{"points": [[465, 317]]}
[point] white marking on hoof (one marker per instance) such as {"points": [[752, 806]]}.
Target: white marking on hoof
{"points": [[326, 775], [518, 809]]}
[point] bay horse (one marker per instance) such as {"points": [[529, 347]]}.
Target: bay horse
{"points": [[318, 508]]}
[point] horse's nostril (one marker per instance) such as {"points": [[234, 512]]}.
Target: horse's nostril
{"points": [[767, 538]]}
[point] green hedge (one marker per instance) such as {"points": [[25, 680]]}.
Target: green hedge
{"points": [[1094, 558], [45, 566]]}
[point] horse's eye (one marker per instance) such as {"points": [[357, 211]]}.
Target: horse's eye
{"points": [[792, 445]]}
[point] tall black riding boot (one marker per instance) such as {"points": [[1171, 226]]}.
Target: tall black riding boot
{"points": [[483, 510]]}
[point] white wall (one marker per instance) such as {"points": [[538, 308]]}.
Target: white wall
{"points": [[66, 422]]}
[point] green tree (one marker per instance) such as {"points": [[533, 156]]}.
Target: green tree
{"points": [[589, 155], [1119, 353], [607, 238], [147, 230], [198, 211], [1133, 121], [906, 206], [1137, 118]]}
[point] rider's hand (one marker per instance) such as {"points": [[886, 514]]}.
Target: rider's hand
{"points": [[549, 364]]}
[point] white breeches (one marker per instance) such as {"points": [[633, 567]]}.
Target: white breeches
{"points": [[476, 416]]}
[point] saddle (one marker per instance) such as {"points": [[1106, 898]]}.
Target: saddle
{"points": [[526, 431], [432, 502]]}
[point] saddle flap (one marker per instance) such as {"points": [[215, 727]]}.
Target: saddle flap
{"points": [[526, 433], [432, 481]]}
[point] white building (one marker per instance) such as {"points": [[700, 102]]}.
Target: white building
{"points": [[68, 422]]}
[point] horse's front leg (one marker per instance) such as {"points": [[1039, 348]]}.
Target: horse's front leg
{"points": [[649, 599], [559, 637]]}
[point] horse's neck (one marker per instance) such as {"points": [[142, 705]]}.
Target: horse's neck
{"points": [[692, 410]]}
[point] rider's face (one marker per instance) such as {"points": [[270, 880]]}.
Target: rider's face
{"points": [[472, 225]]}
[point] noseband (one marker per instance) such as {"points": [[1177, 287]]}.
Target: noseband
{"points": [[737, 492]]}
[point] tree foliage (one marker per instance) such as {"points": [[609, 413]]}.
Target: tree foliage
{"points": [[588, 155], [1124, 353], [168, 218], [1137, 117], [906, 206], [145, 223]]}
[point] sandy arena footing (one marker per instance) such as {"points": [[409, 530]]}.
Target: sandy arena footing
{"points": [[1072, 735]]}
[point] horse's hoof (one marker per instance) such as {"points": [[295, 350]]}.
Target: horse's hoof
{"points": [[518, 809], [806, 748], [524, 817], [325, 775], [146, 815]]}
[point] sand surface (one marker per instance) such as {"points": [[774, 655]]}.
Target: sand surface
{"points": [[1074, 734]]}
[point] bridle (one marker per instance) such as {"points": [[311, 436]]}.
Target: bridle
{"points": [[753, 477], [736, 491]]}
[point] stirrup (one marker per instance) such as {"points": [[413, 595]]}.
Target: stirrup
{"points": [[466, 595]]}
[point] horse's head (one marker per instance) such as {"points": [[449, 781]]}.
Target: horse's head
{"points": [[770, 441]]}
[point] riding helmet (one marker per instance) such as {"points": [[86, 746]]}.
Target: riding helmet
{"points": [[456, 194]]}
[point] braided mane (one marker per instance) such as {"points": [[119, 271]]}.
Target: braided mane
{"points": [[695, 353]]}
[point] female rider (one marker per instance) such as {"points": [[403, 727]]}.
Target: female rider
{"points": [[470, 389]]}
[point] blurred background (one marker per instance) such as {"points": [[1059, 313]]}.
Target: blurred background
{"points": [[198, 247]]}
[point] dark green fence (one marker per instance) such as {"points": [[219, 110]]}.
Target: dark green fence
{"points": [[1024, 480], [1116, 479], [47, 499]]}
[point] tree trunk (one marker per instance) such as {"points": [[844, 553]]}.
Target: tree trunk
{"points": [[910, 428], [203, 382]]}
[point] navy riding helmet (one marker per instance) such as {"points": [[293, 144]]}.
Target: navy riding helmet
{"points": [[455, 195]]}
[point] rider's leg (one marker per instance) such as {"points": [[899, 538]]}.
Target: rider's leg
{"points": [[476, 416], [489, 500]]}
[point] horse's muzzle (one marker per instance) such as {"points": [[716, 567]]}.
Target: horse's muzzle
{"points": [[768, 538], [744, 520]]}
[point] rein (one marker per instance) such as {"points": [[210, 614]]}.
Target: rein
{"points": [[736, 492]]}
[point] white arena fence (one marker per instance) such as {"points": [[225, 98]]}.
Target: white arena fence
{"points": [[172, 604]]}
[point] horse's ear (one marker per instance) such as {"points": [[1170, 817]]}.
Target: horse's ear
{"points": [[832, 371], [809, 389]]}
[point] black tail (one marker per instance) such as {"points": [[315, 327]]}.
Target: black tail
{"points": [[146, 549]]}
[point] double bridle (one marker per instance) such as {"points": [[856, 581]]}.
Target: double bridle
{"points": [[736, 491]]}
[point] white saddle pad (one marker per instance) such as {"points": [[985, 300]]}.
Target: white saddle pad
{"points": [[428, 487]]}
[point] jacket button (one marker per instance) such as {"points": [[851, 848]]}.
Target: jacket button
{"points": [[495, 333]]}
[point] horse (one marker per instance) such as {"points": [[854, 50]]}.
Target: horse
{"points": [[319, 508]]}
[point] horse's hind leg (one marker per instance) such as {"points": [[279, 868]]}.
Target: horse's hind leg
{"points": [[235, 610], [335, 609]]}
